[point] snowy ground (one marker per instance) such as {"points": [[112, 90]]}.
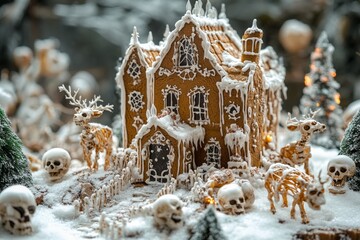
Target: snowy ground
{"points": [[58, 222]]}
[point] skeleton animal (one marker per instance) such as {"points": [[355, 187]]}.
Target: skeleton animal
{"points": [[283, 179], [298, 153], [94, 136]]}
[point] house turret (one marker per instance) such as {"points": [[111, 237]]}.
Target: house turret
{"points": [[251, 43]]}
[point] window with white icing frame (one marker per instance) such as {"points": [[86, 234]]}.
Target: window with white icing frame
{"points": [[134, 71], [187, 52], [135, 101], [199, 105], [233, 111], [171, 98], [213, 153]]}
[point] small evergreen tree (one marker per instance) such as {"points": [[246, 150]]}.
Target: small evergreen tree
{"points": [[13, 163], [350, 146], [320, 92], [208, 227]]}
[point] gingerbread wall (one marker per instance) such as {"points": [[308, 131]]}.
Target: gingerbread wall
{"points": [[135, 84], [212, 128]]}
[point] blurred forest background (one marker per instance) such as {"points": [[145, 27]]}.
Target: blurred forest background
{"points": [[96, 33]]}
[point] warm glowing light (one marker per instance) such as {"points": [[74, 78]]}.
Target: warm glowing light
{"points": [[318, 50], [324, 79], [307, 81], [209, 200], [337, 98], [332, 107], [268, 138], [333, 74], [318, 104]]}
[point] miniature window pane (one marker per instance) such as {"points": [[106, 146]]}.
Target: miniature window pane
{"points": [[186, 53], [171, 102], [213, 154], [134, 71], [199, 107], [136, 101]]}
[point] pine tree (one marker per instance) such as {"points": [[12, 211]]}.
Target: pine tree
{"points": [[208, 227], [350, 146], [13, 163], [320, 92]]}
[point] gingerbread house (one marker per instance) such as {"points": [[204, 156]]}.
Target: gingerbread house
{"points": [[203, 95]]}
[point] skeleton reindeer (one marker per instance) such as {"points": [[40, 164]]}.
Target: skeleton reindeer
{"points": [[283, 179], [298, 153], [94, 136]]}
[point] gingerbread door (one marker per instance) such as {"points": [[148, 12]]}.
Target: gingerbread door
{"points": [[159, 162]]}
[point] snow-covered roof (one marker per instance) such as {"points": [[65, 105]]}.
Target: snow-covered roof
{"points": [[150, 52], [272, 68], [180, 131]]}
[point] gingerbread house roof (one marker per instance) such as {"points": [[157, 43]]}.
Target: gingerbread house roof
{"points": [[180, 131], [273, 70], [222, 45], [150, 52]]}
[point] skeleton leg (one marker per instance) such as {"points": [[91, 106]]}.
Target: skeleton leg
{"points": [[292, 212], [284, 197], [270, 196], [96, 165], [304, 217], [87, 156]]}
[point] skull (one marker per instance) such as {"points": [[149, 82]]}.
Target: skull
{"points": [[315, 195], [339, 169], [168, 212], [17, 206], [248, 191], [56, 162], [232, 199]]}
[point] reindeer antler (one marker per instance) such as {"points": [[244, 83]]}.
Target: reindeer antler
{"points": [[82, 103], [319, 177], [311, 114], [93, 104], [292, 120], [72, 98]]}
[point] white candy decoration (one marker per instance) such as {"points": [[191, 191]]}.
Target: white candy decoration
{"points": [[168, 212], [56, 162], [232, 199], [339, 169], [17, 207]]}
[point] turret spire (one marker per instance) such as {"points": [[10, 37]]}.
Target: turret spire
{"points": [[134, 37]]}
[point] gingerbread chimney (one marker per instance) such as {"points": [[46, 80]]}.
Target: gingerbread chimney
{"points": [[251, 43]]}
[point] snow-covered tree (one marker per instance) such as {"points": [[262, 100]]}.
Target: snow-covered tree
{"points": [[350, 147], [208, 227], [320, 92], [13, 163]]}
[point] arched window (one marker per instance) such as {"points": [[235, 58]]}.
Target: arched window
{"points": [[187, 53], [213, 153], [199, 105], [171, 98]]}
